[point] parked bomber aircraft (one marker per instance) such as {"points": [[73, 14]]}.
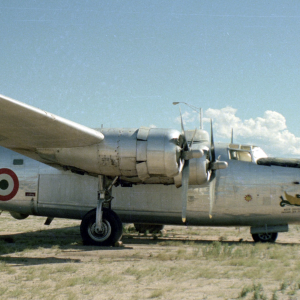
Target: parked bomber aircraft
{"points": [[52, 167]]}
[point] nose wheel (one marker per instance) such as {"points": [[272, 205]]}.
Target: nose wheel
{"points": [[109, 232]]}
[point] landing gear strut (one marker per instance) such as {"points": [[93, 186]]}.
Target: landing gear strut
{"points": [[102, 226]]}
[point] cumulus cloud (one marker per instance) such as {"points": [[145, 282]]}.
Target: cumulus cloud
{"points": [[188, 117], [270, 131]]}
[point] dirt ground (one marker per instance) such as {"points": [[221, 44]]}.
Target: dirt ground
{"points": [[50, 262]]}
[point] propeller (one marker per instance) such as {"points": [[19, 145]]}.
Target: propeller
{"points": [[213, 166], [188, 153]]}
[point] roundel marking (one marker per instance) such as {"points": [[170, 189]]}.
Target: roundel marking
{"points": [[9, 184]]}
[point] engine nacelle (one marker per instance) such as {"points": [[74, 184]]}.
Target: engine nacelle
{"points": [[148, 155], [143, 153], [198, 172], [140, 153]]}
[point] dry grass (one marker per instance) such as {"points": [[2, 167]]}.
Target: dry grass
{"points": [[185, 263]]}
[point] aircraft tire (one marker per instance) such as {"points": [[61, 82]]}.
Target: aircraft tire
{"points": [[150, 228], [265, 237], [112, 228]]}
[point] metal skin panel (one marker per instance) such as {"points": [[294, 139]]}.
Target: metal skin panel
{"points": [[117, 153], [143, 133], [108, 156], [127, 152], [163, 152], [120, 152], [198, 134], [72, 194], [33, 128], [241, 197], [142, 171], [141, 151], [198, 174], [78, 157]]}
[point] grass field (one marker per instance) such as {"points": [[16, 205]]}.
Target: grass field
{"points": [[50, 262]]}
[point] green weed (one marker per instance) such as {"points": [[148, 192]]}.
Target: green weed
{"points": [[283, 286], [156, 294], [245, 291]]}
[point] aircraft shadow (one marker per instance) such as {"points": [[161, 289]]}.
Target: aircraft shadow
{"points": [[68, 239], [11, 244], [31, 261], [150, 240], [135, 239]]}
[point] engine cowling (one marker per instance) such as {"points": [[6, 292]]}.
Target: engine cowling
{"points": [[148, 155], [143, 153], [198, 170]]}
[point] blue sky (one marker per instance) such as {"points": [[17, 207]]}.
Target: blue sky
{"points": [[123, 63]]}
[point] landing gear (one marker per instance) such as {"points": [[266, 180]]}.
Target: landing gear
{"points": [[102, 226], [109, 233], [265, 237]]}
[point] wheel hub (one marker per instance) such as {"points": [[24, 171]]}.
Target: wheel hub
{"points": [[265, 236], [101, 234]]}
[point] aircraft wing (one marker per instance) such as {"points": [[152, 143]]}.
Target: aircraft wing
{"points": [[24, 129]]}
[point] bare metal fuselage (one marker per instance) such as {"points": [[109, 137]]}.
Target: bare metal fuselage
{"points": [[246, 194]]}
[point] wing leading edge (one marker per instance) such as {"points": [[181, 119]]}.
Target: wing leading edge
{"points": [[24, 128]]}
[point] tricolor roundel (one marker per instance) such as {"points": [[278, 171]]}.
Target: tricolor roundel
{"points": [[9, 184]]}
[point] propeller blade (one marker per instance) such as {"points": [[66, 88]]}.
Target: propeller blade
{"points": [[183, 132], [192, 141], [212, 181], [185, 186], [212, 186], [181, 121], [212, 144]]}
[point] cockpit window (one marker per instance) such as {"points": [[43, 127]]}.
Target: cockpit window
{"points": [[240, 155], [246, 153]]}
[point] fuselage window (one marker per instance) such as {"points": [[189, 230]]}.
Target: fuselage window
{"points": [[18, 162], [233, 155]]}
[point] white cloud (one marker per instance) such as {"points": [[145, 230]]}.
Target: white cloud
{"points": [[187, 118], [270, 131]]}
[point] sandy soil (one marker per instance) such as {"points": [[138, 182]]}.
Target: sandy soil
{"points": [[50, 262]]}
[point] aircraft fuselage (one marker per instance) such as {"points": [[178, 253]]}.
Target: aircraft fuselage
{"points": [[245, 194]]}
